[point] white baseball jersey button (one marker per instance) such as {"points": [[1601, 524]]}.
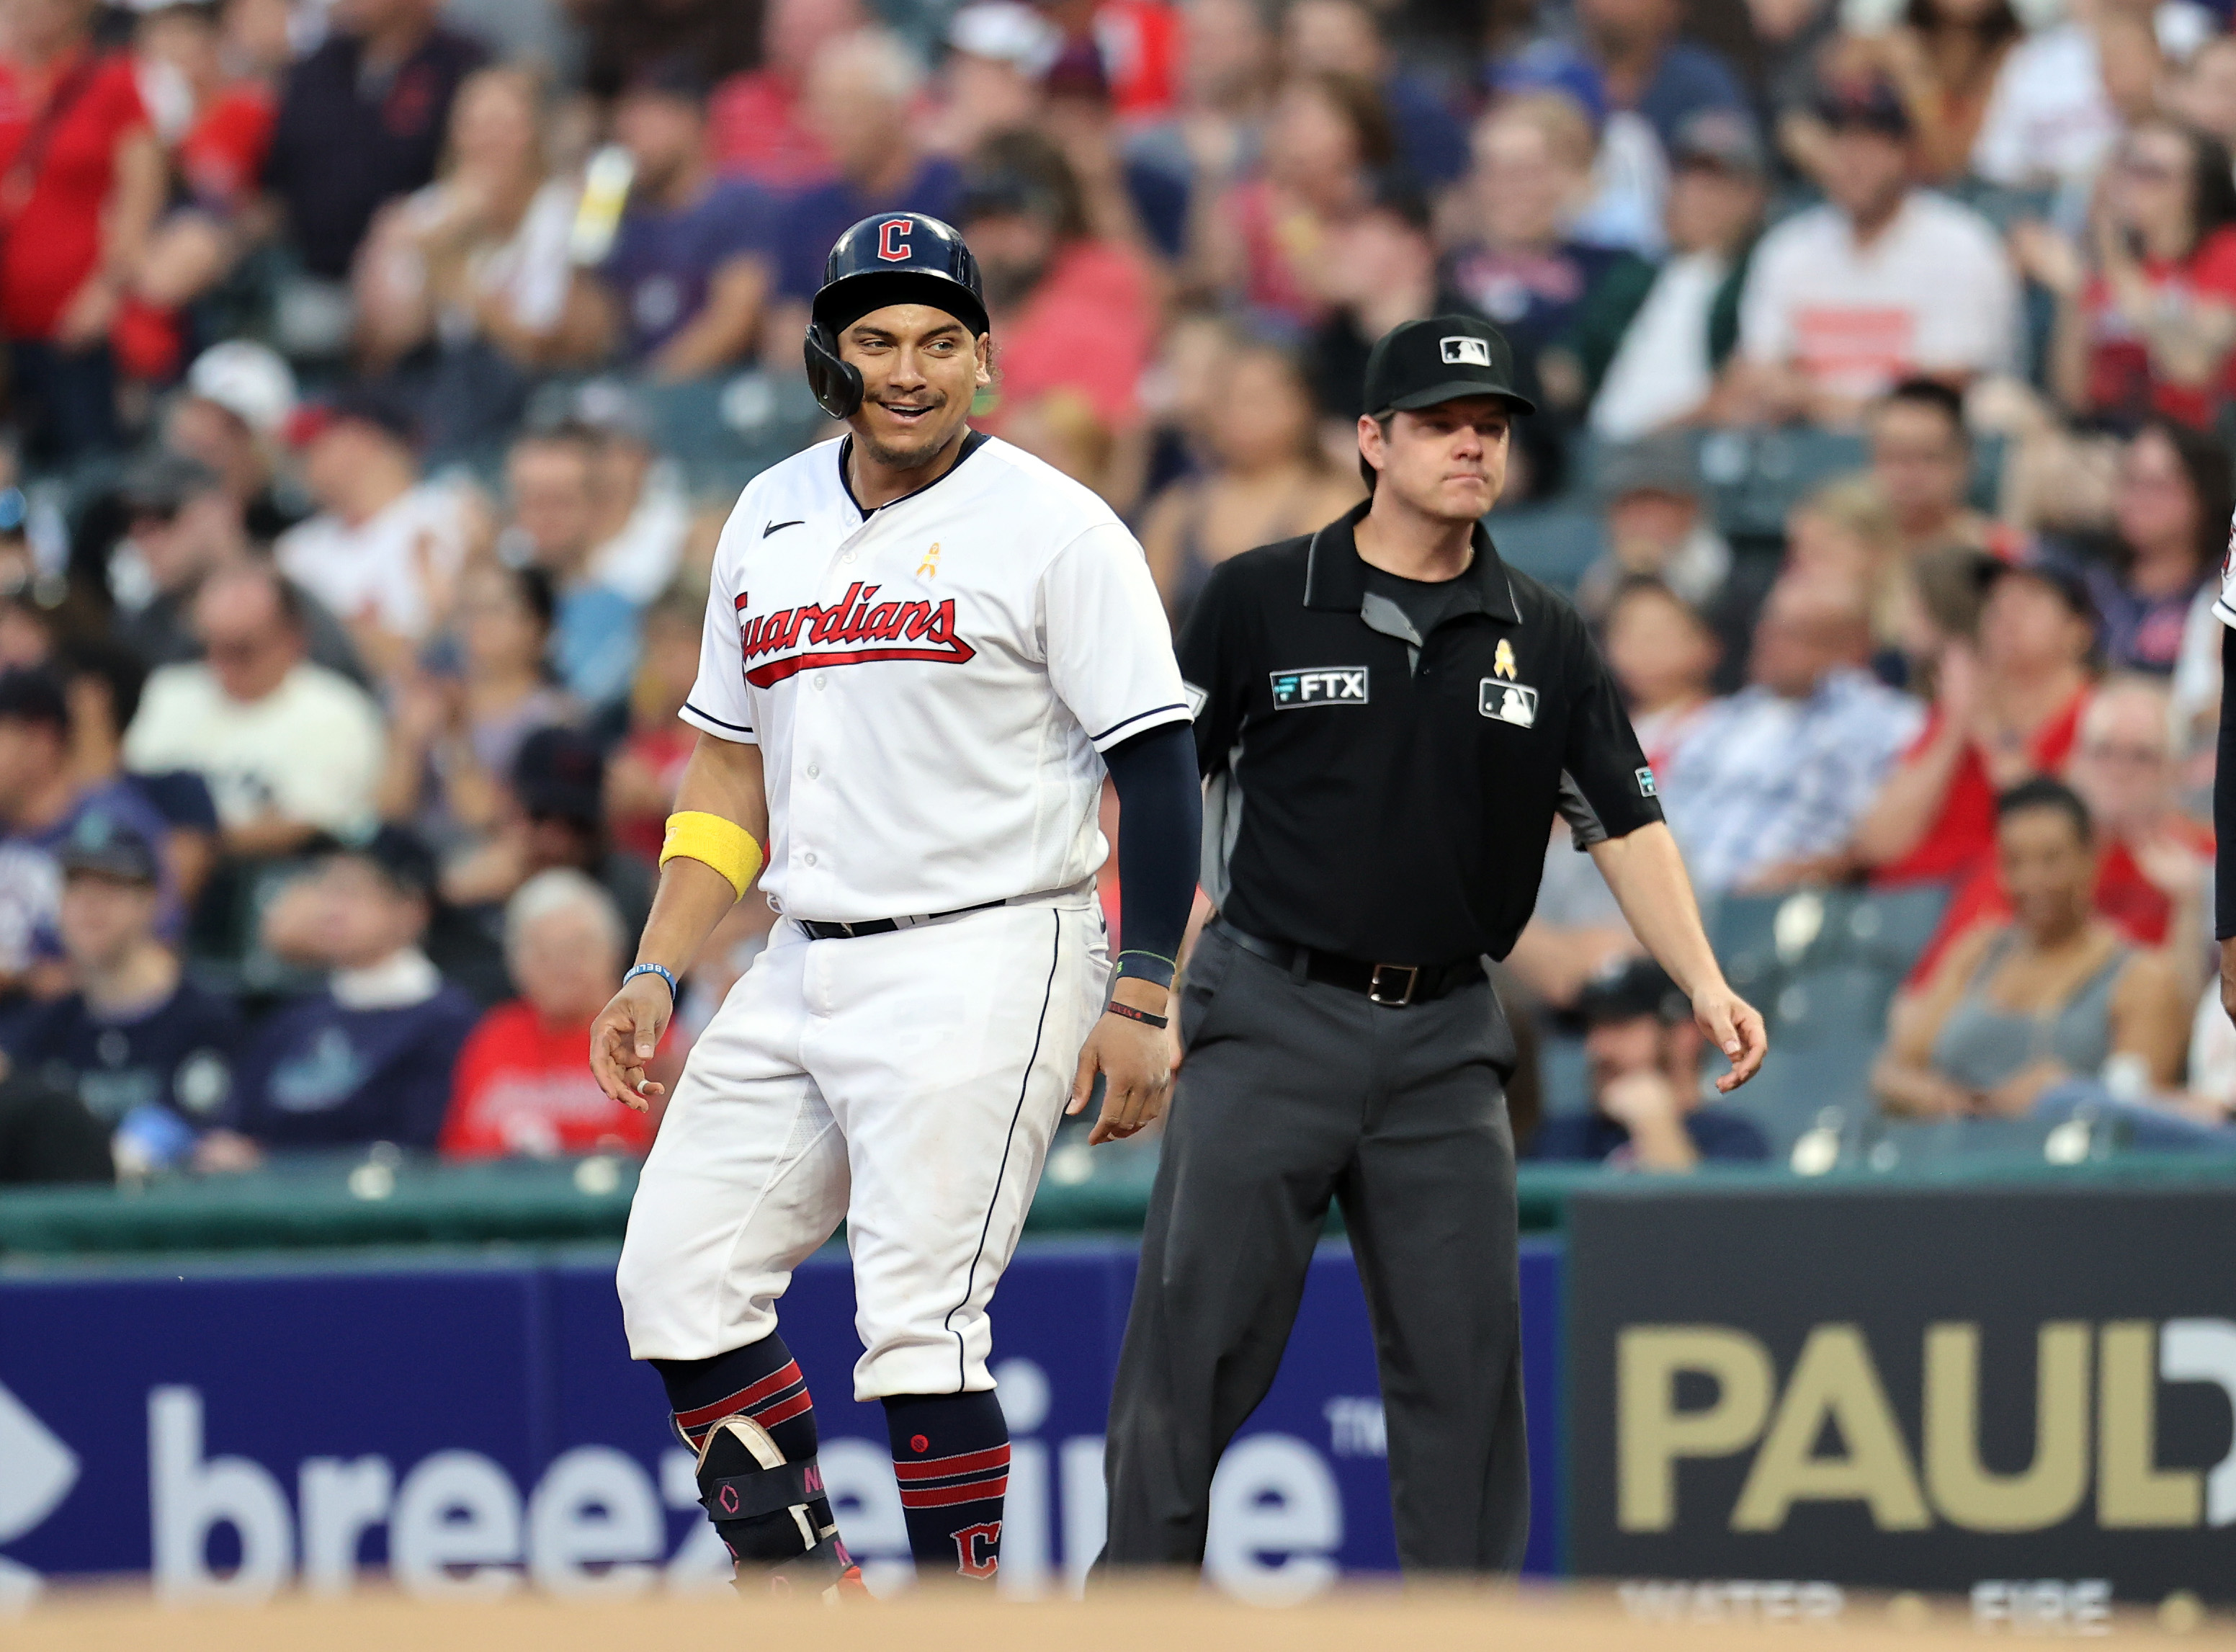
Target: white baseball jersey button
{"points": [[974, 646]]}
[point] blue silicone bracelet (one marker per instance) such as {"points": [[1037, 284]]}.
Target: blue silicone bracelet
{"points": [[659, 969]]}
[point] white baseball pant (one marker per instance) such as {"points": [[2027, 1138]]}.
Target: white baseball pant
{"points": [[906, 1082]]}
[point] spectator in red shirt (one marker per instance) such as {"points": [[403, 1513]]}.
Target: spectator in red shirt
{"points": [[2004, 712], [2152, 326], [523, 1082], [1072, 312], [753, 119], [81, 181], [217, 131], [2153, 859]]}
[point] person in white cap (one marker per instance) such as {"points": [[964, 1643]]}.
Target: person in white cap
{"points": [[231, 415]]}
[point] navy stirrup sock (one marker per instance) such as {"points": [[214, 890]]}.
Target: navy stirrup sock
{"points": [[748, 1414], [952, 1456]]}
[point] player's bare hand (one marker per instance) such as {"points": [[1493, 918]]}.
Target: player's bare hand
{"points": [[1135, 1062], [624, 1037], [1734, 1026]]}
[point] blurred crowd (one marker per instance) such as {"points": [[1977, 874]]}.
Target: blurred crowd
{"points": [[370, 366]]}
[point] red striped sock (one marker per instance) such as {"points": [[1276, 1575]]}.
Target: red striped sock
{"points": [[951, 1457]]}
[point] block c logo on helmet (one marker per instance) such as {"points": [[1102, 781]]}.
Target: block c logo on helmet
{"points": [[894, 240]]}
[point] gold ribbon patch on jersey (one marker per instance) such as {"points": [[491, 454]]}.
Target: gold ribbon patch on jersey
{"points": [[928, 567], [1502, 663]]}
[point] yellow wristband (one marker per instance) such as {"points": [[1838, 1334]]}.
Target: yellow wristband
{"points": [[713, 841]]}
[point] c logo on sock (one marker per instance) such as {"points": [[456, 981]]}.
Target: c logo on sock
{"points": [[978, 1549]]}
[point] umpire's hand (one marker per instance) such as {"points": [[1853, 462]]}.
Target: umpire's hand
{"points": [[624, 1037], [1135, 1064], [1734, 1026]]}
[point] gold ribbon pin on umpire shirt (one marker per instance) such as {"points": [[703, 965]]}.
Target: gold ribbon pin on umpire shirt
{"points": [[1503, 661]]}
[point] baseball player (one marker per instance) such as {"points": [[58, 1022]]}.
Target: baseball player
{"points": [[923, 649]]}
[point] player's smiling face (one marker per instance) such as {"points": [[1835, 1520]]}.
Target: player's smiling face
{"points": [[1447, 461], [920, 370]]}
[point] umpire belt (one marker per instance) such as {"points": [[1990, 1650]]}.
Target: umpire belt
{"points": [[1388, 984]]}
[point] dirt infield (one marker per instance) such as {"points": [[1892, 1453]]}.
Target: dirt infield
{"points": [[1145, 1621]]}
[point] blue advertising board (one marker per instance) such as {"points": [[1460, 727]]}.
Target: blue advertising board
{"points": [[480, 1428]]}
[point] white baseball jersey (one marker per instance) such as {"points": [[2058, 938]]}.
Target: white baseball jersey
{"points": [[930, 682], [2224, 606]]}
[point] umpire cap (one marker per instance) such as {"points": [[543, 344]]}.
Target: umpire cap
{"points": [[894, 258]]}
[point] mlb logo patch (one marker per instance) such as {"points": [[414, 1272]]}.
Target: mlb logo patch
{"points": [[1329, 685], [1508, 703], [1465, 352], [1645, 783]]}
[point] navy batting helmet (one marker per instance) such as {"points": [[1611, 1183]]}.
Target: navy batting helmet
{"points": [[895, 258]]}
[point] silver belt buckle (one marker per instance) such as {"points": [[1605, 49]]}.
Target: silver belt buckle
{"points": [[1412, 974]]}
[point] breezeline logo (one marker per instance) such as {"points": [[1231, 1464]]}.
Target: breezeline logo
{"points": [[37, 1472]]}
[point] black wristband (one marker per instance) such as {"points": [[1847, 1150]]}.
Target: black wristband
{"points": [[1127, 1010]]}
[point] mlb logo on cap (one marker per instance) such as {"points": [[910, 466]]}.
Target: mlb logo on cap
{"points": [[1474, 353]]}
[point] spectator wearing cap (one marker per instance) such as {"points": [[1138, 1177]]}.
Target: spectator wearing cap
{"points": [[990, 80], [1649, 347], [2147, 315], [85, 183], [1050, 282], [1643, 1054], [2004, 711], [1766, 788], [641, 502], [1327, 143], [523, 1084], [2014, 1009], [185, 524], [551, 487], [289, 748], [1345, 37], [1942, 57], [362, 121], [758, 130], [383, 551], [1882, 282], [44, 803], [231, 415], [148, 1052], [625, 37], [859, 99], [1655, 525], [689, 274], [475, 269], [368, 1056]]}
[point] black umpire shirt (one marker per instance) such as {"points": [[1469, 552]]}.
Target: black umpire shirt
{"points": [[1383, 793]]}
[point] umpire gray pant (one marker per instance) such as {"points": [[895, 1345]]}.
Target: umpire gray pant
{"points": [[1295, 1092]]}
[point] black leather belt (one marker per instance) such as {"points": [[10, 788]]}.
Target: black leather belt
{"points": [[1391, 985], [822, 931]]}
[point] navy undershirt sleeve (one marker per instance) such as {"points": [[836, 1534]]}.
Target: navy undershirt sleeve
{"points": [[1160, 832], [2223, 798]]}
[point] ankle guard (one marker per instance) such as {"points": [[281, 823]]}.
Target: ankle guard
{"points": [[769, 1512]]}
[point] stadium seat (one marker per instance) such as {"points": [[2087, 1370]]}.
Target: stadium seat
{"points": [[1928, 1144], [1835, 1004], [1800, 1091], [1890, 928]]}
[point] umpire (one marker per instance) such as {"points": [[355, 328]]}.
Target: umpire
{"points": [[1385, 714]]}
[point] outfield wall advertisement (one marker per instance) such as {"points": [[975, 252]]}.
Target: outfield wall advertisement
{"points": [[479, 1429], [1960, 1390]]}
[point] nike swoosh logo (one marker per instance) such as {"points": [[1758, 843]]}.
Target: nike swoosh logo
{"points": [[773, 526]]}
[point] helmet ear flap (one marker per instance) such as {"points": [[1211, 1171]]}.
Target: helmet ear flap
{"points": [[836, 383]]}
